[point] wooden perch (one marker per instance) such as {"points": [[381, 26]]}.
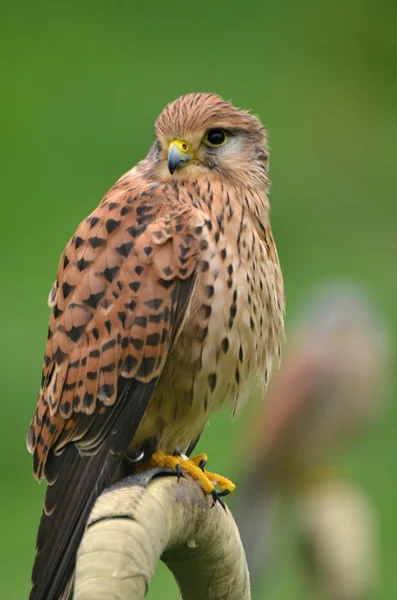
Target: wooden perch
{"points": [[151, 516]]}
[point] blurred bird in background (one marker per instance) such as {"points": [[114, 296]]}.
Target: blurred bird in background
{"points": [[332, 383], [169, 300]]}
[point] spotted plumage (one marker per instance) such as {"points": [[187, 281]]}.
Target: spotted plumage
{"points": [[168, 301]]}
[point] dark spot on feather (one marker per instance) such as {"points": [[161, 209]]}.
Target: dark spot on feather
{"points": [[94, 354], [125, 249], [110, 344], [143, 209], [212, 381], [93, 221], [225, 345], [67, 289], [95, 333], [165, 283], [140, 321], [66, 261], [210, 290], [108, 368], [206, 311], [122, 316], [75, 333], [94, 299], [57, 311], [83, 264], [112, 205], [88, 400], [107, 390], [153, 339], [96, 242], [130, 305], [129, 363], [167, 271], [205, 265], [92, 375], [59, 356], [125, 210], [146, 367], [78, 242], [134, 286], [135, 231], [223, 253], [137, 343], [154, 304], [110, 273], [64, 408], [108, 325], [138, 269], [112, 225]]}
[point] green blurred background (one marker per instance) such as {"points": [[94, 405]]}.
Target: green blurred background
{"points": [[82, 85]]}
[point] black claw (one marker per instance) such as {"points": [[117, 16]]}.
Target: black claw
{"points": [[178, 471], [217, 497], [202, 464], [224, 493]]}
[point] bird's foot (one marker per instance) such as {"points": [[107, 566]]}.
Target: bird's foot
{"points": [[195, 467]]}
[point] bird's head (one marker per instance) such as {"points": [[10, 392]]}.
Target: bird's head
{"points": [[201, 133]]}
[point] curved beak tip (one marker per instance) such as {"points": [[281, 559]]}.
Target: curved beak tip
{"points": [[177, 158]]}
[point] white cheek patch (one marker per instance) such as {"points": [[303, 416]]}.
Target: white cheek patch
{"points": [[231, 154]]}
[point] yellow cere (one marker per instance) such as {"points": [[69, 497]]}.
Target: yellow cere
{"points": [[181, 145]]}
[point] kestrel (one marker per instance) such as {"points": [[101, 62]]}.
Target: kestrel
{"points": [[169, 300]]}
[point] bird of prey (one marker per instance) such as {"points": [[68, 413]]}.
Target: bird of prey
{"points": [[168, 301], [332, 383]]}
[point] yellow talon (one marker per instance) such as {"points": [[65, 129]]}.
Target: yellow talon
{"points": [[207, 480]]}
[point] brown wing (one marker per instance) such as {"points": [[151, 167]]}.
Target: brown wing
{"points": [[124, 283]]}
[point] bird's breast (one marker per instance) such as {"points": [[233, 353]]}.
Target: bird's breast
{"points": [[228, 340]]}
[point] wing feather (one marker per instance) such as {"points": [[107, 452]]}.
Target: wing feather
{"points": [[123, 289]]}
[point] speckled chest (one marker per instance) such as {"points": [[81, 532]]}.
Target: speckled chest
{"points": [[229, 336]]}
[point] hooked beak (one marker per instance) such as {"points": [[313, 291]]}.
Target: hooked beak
{"points": [[178, 155]]}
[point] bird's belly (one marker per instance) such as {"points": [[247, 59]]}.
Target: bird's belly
{"points": [[224, 348]]}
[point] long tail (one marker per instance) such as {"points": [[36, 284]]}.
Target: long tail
{"points": [[75, 482]]}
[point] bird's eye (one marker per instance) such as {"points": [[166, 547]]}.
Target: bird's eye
{"points": [[215, 137]]}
